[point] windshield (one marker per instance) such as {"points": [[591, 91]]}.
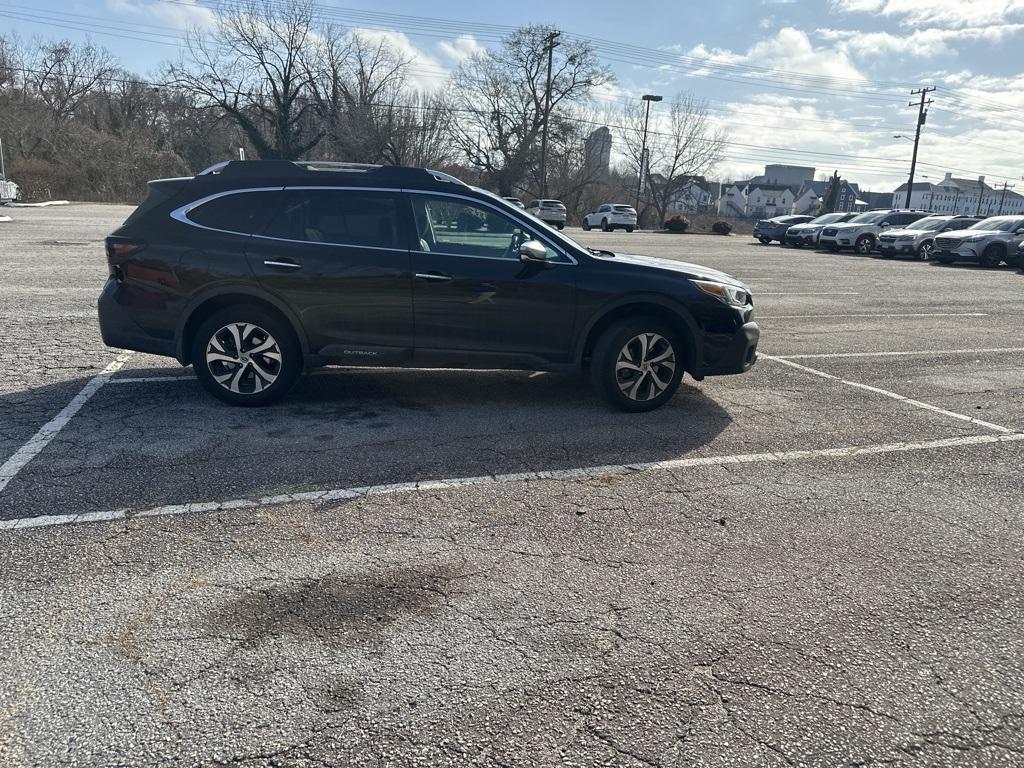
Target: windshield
{"points": [[928, 222], [623, 208], [872, 217], [998, 225], [827, 218]]}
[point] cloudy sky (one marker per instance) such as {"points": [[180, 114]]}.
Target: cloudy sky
{"points": [[810, 82]]}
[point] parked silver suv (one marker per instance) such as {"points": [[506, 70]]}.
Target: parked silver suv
{"points": [[918, 239], [988, 242], [861, 232]]}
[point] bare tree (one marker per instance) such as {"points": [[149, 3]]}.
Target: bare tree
{"points": [[502, 100], [685, 144], [254, 66]]}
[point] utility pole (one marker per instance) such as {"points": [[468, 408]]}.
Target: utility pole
{"points": [[648, 97], [3, 174], [1002, 199], [550, 41], [922, 115]]}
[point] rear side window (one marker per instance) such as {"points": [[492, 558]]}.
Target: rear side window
{"points": [[241, 212], [337, 217]]}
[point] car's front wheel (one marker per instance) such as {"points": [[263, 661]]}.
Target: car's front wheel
{"points": [[764, 240], [585, 225], [245, 355], [637, 364], [865, 244], [991, 256], [604, 226], [925, 251]]}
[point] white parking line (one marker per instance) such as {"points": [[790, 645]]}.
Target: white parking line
{"points": [[893, 395], [887, 314], [343, 494], [984, 351], [816, 293], [49, 430]]}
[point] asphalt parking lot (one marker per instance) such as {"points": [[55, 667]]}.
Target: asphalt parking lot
{"points": [[818, 563]]}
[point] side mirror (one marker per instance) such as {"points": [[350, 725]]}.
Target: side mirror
{"points": [[532, 250]]}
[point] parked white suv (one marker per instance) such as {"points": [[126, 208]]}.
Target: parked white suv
{"points": [[611, 216], [918, 239], [549, 211], [988, 242], [861, 232]]}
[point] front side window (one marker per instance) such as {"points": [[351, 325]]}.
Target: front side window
{"points": [[464, 228], [337, 217], [241, 212]]}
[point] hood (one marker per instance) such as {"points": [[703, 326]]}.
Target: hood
{"points": [[681, 268], [906, 232], [808, 225]]}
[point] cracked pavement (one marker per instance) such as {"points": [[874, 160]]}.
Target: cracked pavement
{"points": [[854, 611]]}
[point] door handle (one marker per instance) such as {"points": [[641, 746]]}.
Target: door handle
{"points": [[282, 264], [433, 276]]}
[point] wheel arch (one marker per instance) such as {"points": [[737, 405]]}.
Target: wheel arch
{"points": [[647, 305], [206, 303]]}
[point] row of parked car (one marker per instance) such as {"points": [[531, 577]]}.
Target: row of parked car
{"points": [[988, 241], [608, 216]]}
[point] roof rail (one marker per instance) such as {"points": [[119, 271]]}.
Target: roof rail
{"points": [[270, 168]]}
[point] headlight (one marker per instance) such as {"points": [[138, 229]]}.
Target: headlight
{"points": [[905, 237], [727, 294]]}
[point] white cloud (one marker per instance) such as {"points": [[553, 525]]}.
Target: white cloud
{"points": [[922, 43], [943, 13], [790, 50], [461, 48], [181, 15]]}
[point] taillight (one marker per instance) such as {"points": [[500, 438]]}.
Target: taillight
{"points": [[119, 248]]}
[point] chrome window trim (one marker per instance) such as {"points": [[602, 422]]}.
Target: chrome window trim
{"points": [[181, 214], [333, 245], [525, 225]]}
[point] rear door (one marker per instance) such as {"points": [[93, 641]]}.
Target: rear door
{"points": [[472, 294], [338, 258]]}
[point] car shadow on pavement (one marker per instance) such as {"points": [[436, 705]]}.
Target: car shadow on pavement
{"points": [[147, 444]]}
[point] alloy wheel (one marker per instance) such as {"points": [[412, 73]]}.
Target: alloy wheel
{"points": [[645, 366], [243, 358], [924, 253]]}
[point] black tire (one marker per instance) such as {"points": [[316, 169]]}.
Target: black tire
{"points": [[622, 340], [864, 245], [584, 225], [604, 226], [765, 240], [560, 225], [629, 229], [991, 256], [256, 327]]}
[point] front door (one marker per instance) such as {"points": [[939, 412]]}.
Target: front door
{"points": [[472, 294], [338, 258]]}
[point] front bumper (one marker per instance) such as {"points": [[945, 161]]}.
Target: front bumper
{"points": [[963, 253], [736, 356], [801, 238], [897, 247]]}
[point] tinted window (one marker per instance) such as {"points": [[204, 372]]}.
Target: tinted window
{"points": [[341, 217], [464, 228], [242, 212]]}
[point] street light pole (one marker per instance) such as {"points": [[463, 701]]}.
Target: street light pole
{"points": [[648, 97]]}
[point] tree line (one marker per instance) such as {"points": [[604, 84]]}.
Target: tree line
{"points": [[270, 79]]}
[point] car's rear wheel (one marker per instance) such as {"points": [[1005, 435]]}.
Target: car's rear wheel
{"points": [[585, 225], [764, 240], [865, 244], [925, 251], [637, 364], [604, 226], [991, 256], [629, 229], [560, 225], [245, 355]]}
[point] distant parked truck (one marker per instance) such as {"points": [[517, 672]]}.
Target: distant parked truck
{"points": [[9, 191]]}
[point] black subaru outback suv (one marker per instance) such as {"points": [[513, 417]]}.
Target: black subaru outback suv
{"points": [[253, 271]]}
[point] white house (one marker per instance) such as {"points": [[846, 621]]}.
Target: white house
{"points": [[733, 201], [972, 197], [690, 197], [768, 200]]}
